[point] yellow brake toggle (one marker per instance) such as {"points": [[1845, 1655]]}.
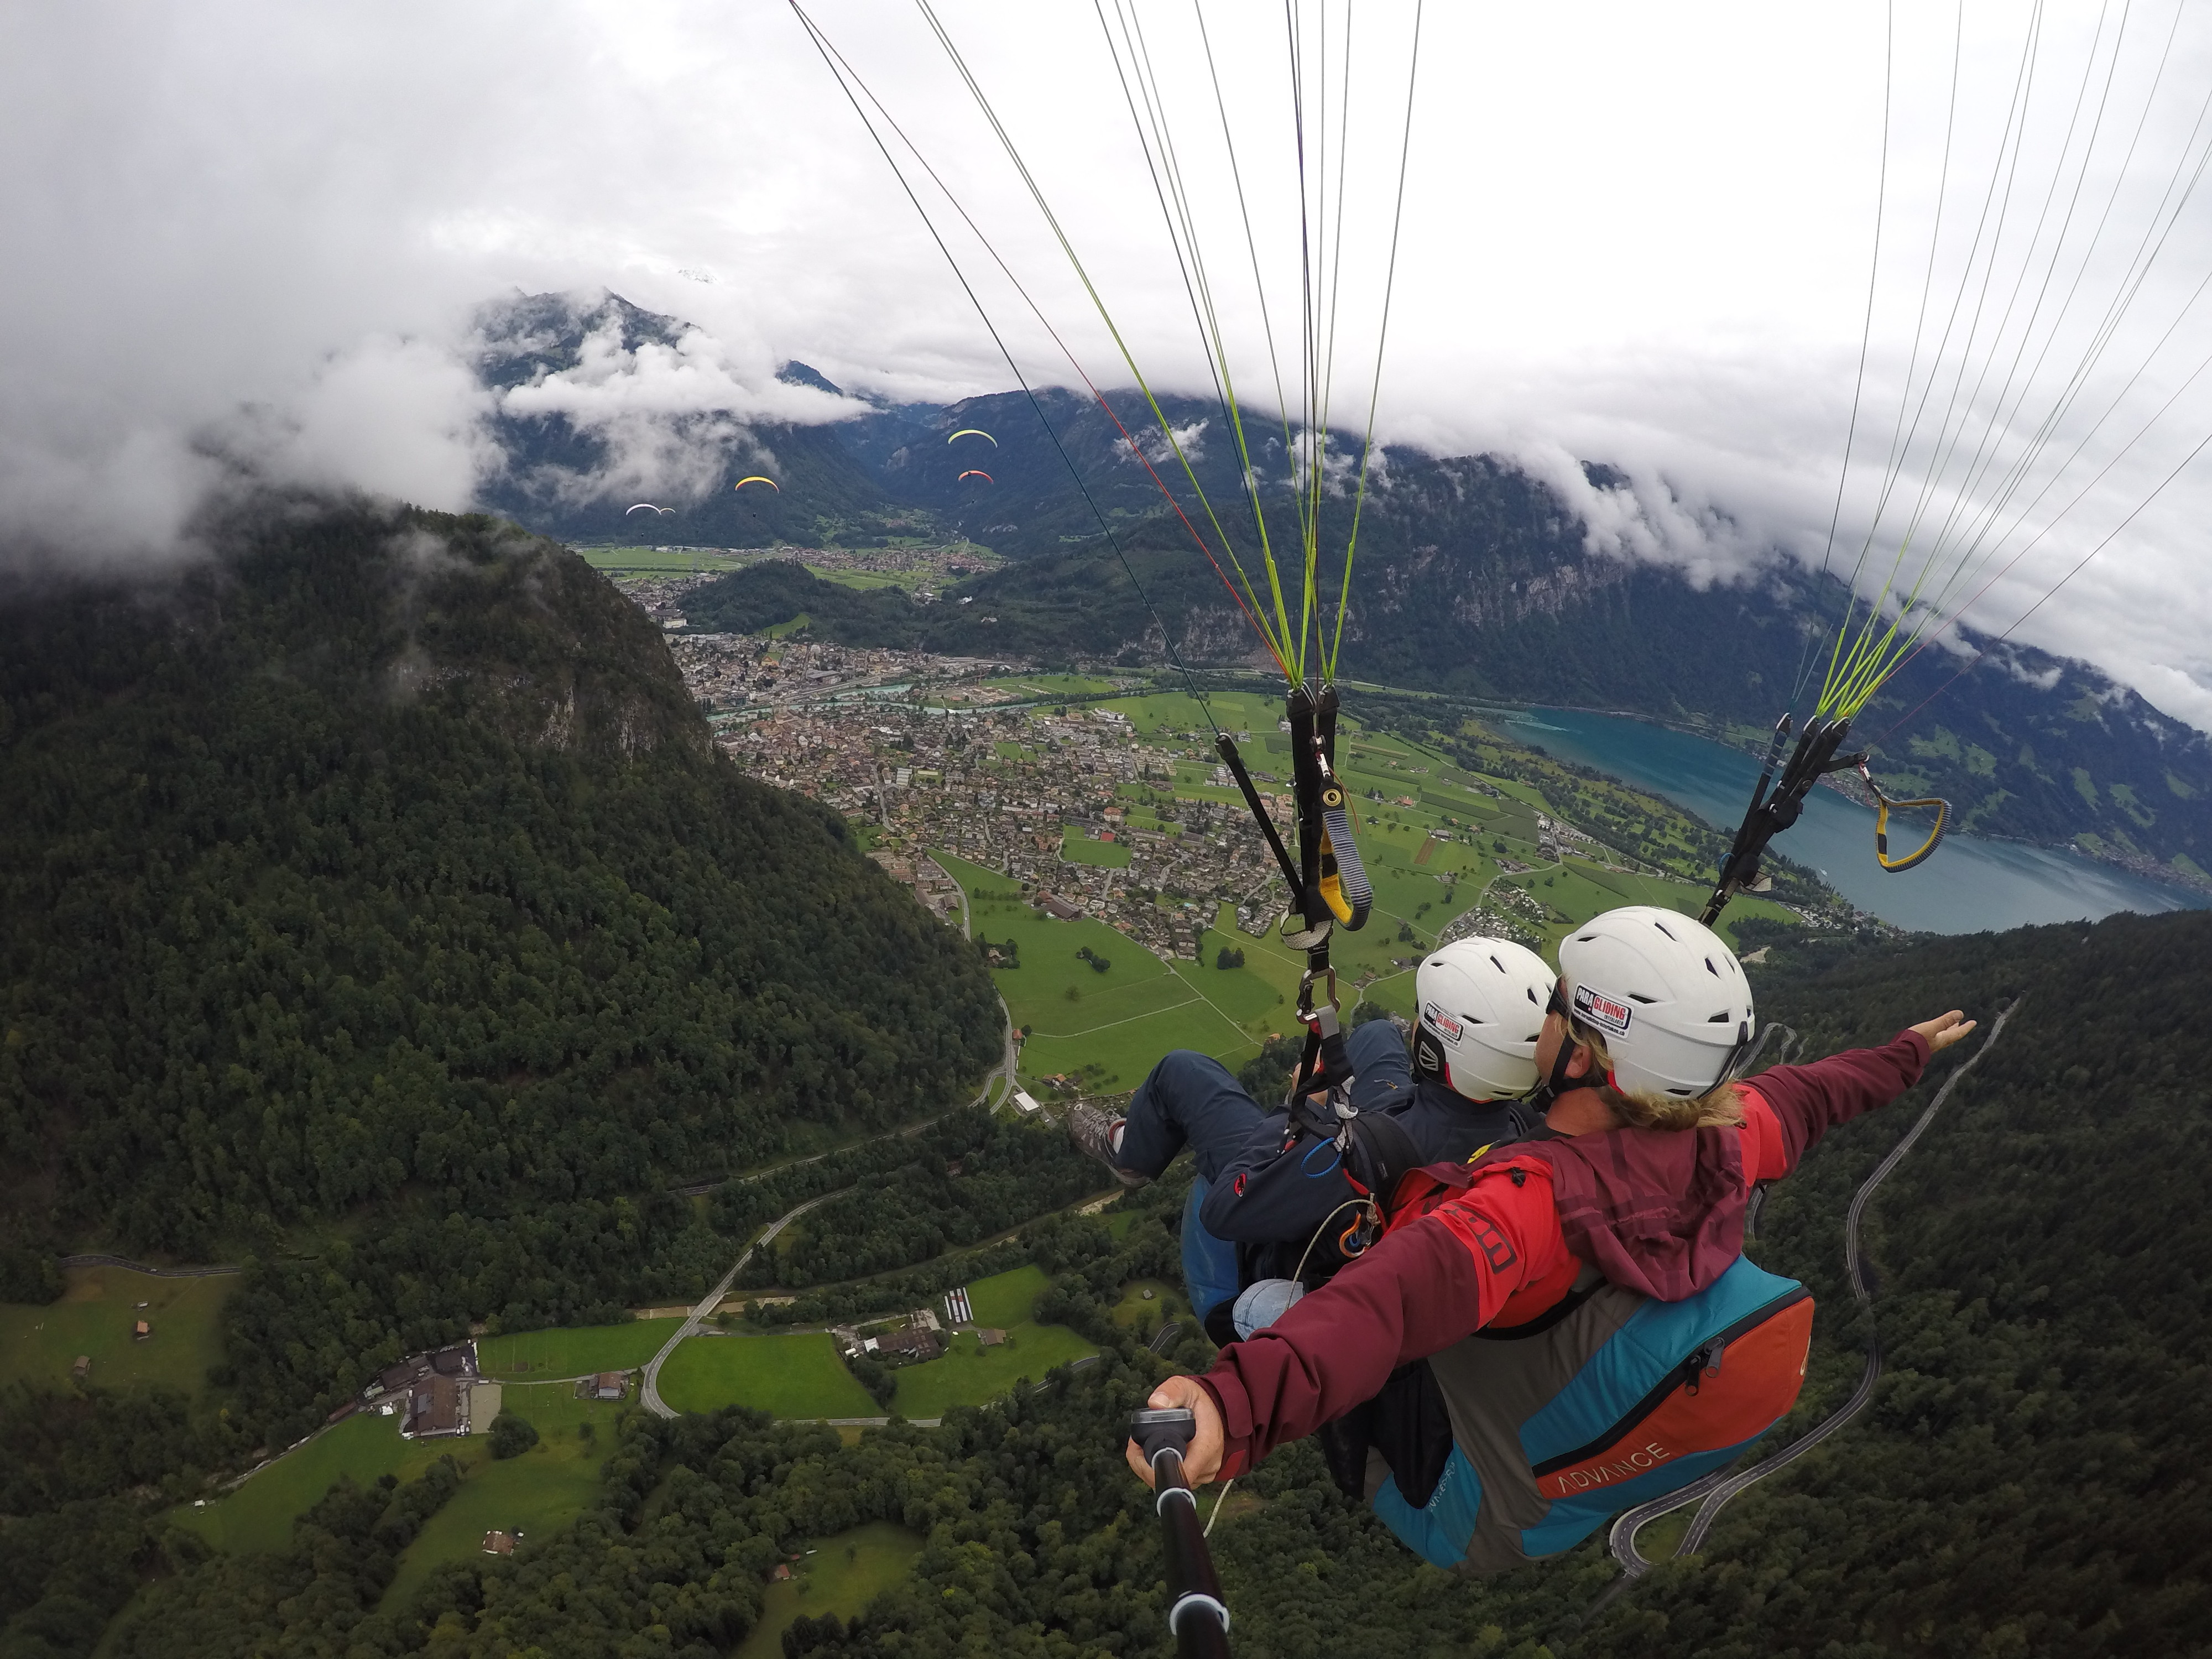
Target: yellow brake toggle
{"points": [[1344, 884], [1883, 805]]}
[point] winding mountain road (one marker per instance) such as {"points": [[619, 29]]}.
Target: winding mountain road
{"points": [[217, 1272], [1712, 1493], [651, 1392]]}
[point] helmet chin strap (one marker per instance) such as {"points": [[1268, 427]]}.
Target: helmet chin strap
{"points": [[1559, 1083]]}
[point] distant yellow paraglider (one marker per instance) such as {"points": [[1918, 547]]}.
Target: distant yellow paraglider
{"points": [[975, 473], [757, 478], [974, 432]]}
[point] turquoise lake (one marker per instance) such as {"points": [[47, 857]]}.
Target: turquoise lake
{"points": [[1970, 885]]}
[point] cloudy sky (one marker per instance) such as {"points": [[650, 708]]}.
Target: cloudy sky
{"points": [[253, 235]]}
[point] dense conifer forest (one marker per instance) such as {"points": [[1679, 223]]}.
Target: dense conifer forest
{"points": [[2025, 1482], [380, 916]]}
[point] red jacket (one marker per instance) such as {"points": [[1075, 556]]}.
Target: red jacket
{"points": [[1502, 1239]]}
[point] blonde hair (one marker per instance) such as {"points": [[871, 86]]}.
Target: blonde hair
{"points": [[1719, 1107]]}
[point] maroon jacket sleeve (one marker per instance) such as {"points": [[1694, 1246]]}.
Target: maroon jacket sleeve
{"points": [[1808, 1100], [1421, 1288]]}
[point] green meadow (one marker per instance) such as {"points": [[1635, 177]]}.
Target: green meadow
{"points": [[1120, 1021], [574, 1351], [94, 1318], [544, 1488], [841, 1575], [798, 1375], [1135, 1311], [970, 1374], [1007, 1298], [532, 1495], [258, 1515], [1077, 848]]}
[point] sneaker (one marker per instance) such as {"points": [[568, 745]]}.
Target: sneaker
{"points": [[1092, 1132]]}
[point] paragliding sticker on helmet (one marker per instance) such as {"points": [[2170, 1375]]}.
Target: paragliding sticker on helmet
{"points": [[1596, 1008], [1443, 1021]]}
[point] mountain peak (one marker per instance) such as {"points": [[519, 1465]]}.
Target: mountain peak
{"points": [[795, 372], [528, 335]]}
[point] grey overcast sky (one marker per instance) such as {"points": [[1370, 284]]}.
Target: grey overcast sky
{"points": [[1634, 234]]}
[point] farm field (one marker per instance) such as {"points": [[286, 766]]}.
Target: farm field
{"points": [[969, 1375], [798, 1376], [1077, 848], [1007, 1298], [259, 1516], [93, 1317], [532, 1494], [574, 1351], [1168, 1301], [1117, 1023], [841, 1574]]}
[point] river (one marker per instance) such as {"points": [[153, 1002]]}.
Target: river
{"points": [[1968, 886]]}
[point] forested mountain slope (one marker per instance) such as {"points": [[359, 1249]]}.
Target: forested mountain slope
{"points": [[382, 871], [572, 470], [2025, 1483]]}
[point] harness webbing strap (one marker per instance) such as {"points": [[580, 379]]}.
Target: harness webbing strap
{"points": [[1226, 747], [1343, 883]]}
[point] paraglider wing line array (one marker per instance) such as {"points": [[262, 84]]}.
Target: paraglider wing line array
{"points": [[847, 80], [1965, 403]]}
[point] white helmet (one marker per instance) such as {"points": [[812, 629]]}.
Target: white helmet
{"points": [[1669, 998], [1482, 1008]]}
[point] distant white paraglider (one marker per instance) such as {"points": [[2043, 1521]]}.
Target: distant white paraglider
{"points": [[648, 507]]}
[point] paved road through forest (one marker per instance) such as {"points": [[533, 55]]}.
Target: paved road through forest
{"points": [[651, 1393]]}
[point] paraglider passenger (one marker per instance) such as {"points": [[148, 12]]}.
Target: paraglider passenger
{"points": [[1270, 1185], [1610, 1242]]}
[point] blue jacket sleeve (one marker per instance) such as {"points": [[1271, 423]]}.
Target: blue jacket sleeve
{"points": [[1271, 1192]]}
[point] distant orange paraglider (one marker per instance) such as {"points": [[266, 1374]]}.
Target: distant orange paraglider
{"points": [[976, 472]]}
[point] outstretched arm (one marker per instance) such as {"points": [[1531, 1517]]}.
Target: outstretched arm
{"points": [[1789, 1107]]}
